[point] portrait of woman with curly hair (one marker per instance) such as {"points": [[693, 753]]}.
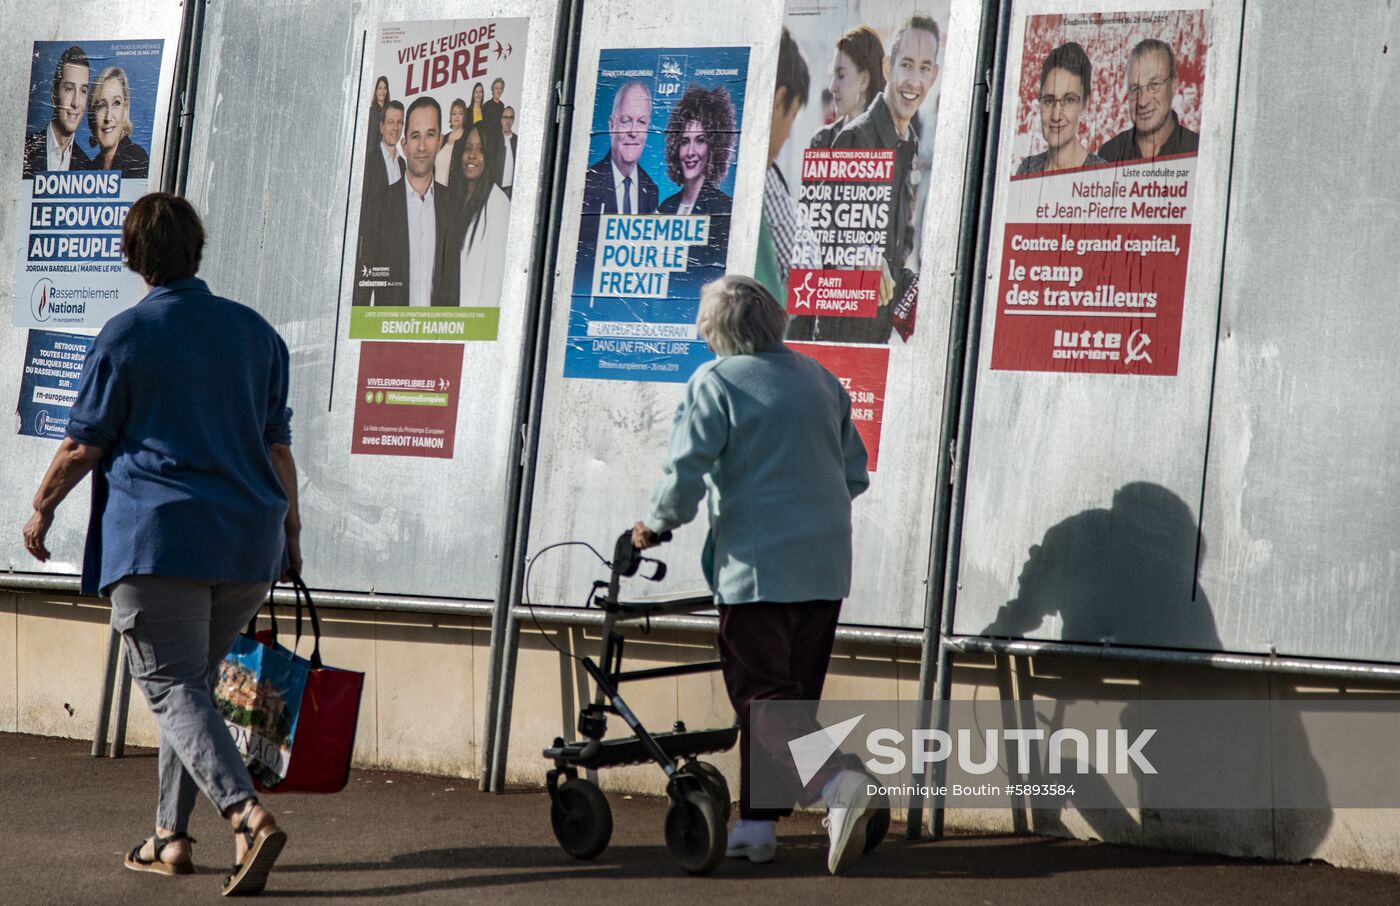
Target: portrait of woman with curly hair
{"points": [[699, 139], [699, 146]]}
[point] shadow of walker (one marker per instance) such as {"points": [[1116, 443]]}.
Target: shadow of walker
{"points": [[1127, 576]]}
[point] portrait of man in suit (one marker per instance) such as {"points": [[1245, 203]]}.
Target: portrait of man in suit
{"points": [[511, 143], [386, 164], [617, 184], [52, 147], [409, 240]]}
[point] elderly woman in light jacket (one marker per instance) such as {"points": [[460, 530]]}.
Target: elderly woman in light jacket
{"points": [[769, 431]]}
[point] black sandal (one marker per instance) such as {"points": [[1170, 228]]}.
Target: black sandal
{"points": [[156, 866], [264, 846]]}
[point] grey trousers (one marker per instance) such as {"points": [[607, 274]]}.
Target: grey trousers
{"points": [[177, 631]]}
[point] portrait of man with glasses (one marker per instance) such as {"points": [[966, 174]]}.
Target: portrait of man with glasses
{"points": [[1065, 80], [1156, 131]]}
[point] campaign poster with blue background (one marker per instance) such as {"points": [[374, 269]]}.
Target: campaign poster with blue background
{"points": [[53, 363], [87, 147], [657, 201]]}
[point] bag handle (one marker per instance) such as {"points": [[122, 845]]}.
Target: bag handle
{"points": [[252, 630], [304, 594]]}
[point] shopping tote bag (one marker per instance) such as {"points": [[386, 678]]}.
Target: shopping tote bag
{"points": [[327, 717], [259, 693]]}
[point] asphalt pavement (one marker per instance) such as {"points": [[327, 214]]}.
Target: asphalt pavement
{"points": [[66, 819]]}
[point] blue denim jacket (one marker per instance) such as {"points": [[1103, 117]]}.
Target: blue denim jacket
{"points": [[183, 393]]}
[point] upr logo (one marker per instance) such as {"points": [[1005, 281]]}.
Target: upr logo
{"points": [[670, 75], [39, 304]]}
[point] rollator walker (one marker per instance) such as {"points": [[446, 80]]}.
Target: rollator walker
{"points": [[698, 815]]}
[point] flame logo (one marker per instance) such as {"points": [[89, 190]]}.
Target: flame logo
{"points": [[39, 304]]}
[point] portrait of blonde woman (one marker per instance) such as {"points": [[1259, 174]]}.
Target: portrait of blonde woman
{"points": [[110, 128]]}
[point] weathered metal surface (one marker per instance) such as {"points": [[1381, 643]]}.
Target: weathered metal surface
{"points": [[276, 169], [603, 441], [1083, 490], [1299, 525]]}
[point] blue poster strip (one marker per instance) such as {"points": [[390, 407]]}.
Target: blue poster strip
{"points": [[657, 200], [53, 362], [91, 117]]}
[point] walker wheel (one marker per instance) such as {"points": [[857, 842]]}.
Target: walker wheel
{"points": [[713, 782], [581, 818], [876, 828], [695, 833]]}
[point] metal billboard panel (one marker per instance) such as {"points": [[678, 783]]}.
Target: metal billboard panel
{"points": [[1083, 488], [1299, 521], [276, 169], [602, 441], [27, 457]]}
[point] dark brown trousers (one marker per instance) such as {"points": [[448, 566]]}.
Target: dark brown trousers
{"points": [[777, 652]]}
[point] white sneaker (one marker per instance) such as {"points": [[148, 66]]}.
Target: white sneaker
{"points": [[847, 814], [756, 841]]}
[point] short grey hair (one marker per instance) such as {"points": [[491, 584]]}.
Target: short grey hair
{"points": [[739, 317], [630, 86]]}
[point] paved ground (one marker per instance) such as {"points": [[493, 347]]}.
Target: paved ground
{"points": [[67, 818]]}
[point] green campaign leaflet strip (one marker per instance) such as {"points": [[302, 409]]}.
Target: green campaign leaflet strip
{"points": [[399, 398], [407, 323]]}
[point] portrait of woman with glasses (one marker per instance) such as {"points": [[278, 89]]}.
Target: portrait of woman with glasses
{"points": [[1065, 77]]}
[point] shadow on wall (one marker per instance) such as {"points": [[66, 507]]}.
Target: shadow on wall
{"points": [[1126, 576], [1122, 576]]}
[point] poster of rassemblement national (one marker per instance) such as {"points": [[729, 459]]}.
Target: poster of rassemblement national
{"points": [[53, 363], [91, 113], [658, 195]]}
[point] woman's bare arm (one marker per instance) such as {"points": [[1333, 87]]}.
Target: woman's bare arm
{"points": [[70, 465]]}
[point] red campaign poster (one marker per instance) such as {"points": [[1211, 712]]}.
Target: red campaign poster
{"points": [[847, 196], [406, 399], [862, 371], [1097, 224], [1092, 298], [851, 172]]}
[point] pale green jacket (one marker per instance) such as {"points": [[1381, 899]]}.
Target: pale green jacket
{"points": [[769, 436]]}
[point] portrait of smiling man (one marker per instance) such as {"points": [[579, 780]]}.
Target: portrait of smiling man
{"points": [[889, 123], [617, 184], [1156, 131], [52, 147], [410, 234]]}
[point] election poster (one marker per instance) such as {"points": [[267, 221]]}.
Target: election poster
{"points": [[406, 399], [658, 195], [89, 123], [844, 195], [1097, 229], [862, 372], [438, 177], [53, 363]]}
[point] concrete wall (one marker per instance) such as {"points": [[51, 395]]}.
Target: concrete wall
{"points": [[425, 690]]}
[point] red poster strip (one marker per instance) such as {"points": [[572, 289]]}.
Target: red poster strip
{"points": [[1097, 298], [862, 370], [406, 399]]}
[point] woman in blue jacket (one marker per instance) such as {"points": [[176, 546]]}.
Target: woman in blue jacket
{"points": [[182, 417], [770, 432]]}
